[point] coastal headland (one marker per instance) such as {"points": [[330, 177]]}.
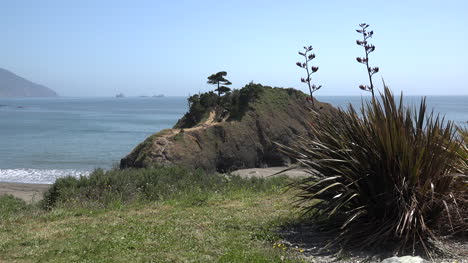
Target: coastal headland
{"points": [[238, 131]]}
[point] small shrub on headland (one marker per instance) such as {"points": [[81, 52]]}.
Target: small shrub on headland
{"points": [[103, 188], [235, 103], [390, 173]]}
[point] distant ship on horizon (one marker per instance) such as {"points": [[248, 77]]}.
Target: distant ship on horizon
{"points": [[158, 96], [120, 95]]}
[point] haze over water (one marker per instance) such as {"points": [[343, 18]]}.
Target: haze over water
{"points": [[42, 139]]}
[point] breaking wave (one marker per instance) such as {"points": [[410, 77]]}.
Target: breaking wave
{"points": [[38, 176]]}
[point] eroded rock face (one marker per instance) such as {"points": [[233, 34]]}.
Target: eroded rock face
{"points": [[278, 115]]}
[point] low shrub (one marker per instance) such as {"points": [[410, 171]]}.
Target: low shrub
{"points": [[104, 188], [388, 173]]}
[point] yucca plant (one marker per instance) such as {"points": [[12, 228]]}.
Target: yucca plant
{"points": [[390, 173], [464, 151]]}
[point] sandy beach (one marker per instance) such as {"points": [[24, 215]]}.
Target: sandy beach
{"points": [[28, 192], [270, 171]]}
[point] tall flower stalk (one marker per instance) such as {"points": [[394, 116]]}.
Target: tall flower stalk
{"points": [[368, 48], [305, 65]]}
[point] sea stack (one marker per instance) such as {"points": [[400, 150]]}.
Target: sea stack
{"points": [[242, 136]]}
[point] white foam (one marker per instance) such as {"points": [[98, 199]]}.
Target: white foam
{"points": [[38, 176]]}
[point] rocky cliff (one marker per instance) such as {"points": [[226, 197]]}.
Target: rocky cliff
{"points": [[232, 137], [12, 85]]}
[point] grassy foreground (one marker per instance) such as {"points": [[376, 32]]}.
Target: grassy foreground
{"points": [[233, 225]]}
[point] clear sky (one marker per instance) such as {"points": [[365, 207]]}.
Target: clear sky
{"points": [[104, 47]]}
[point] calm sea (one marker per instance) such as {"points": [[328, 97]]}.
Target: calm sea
{"points": [[42, 139]]}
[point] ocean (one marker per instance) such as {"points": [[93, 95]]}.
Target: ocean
{"points": [[42, 139]]}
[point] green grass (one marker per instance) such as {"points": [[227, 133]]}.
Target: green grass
{"points": [[230, 220], [11, 206]]}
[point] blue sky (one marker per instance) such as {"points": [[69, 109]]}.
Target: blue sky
{"points": [[100, 48]]}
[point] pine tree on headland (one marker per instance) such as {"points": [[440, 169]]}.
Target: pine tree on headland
{"points": [[218, 79], [369, 48], [305, 65]]}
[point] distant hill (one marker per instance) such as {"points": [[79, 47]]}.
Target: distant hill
{"points": [[12, 85]]}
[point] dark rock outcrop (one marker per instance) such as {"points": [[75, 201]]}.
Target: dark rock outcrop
{"points": [[12, 85], [276, 115]]}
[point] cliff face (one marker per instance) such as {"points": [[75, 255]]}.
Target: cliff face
{"points": [[223, 144], [12, 85]]}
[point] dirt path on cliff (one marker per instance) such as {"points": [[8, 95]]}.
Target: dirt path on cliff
{"points": [[207, 123], [210, 121]]}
